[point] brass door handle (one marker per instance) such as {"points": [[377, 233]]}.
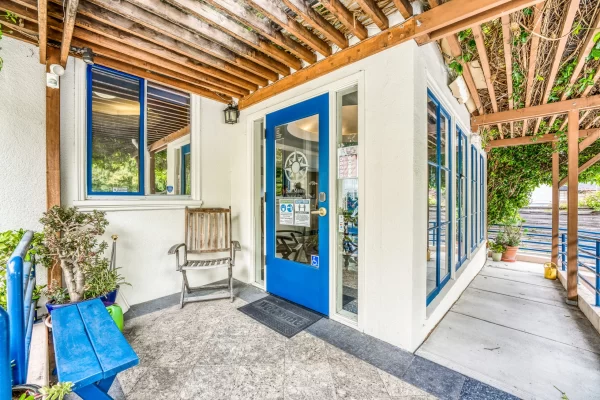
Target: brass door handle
{"points": [[322, 211]]}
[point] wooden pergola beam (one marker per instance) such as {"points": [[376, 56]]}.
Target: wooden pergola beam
{"points": [[506, 40], [582, 168], [456, 51], [70, 14], [204, 30], [318, 22], [487, 14], [162, 143], [346, 18], [221, 22], [239, 12], [572, 206], [438, 17], [589, 139], [542, 110], [533, 52], [555, 204], [43, 30], [271, 10], [405, 8], [549, 137], [178, 39], [485, 65], [371, 8]]}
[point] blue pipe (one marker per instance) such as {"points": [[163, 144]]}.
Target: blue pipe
{"points": [[5, 378], [17, 321]]}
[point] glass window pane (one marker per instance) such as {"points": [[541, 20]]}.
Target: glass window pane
{"points": [[444, 193], [432, 131], [297, 164], [432, 200], [347, 208], [168, 133], [431, 259], [115, 137], [444, 132], [444, 248]]}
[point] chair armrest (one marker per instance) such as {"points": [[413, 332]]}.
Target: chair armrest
{"points": [[176, 247], [235, 247]]}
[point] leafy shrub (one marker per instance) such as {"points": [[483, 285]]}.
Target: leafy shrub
{"points": [[591, 201]]}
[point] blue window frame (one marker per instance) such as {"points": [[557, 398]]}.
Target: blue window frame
{"points": [[439, 202], [474, 199], [481, 198], [462, 216], [115, 139]]}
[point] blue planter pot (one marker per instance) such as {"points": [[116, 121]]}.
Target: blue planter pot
{"points": [[108, 299]]}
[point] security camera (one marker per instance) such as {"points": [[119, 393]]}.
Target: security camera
{"points": [[57, 69]]}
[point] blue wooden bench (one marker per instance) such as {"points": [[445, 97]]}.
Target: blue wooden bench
{"points": [[90, 350]]}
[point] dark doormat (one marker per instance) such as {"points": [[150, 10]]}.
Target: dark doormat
{"points": [[282, 316]]}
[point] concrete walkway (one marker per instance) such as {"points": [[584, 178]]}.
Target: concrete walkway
{"points": [[512, 329]]}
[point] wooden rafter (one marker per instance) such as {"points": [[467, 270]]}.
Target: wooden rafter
{"points": [[586, 134], [506, 42], [346, 18], [70, 15], [533, 52], [582, 168], [221, 22], [542, 110], [250, 56], [485, 14], [589, 140], [448, 13], [468, 77], [371, 8], [485, 65], [317, 22], [263, 26], [405, 8], [43, 30], [277, 15], [564, 35]]}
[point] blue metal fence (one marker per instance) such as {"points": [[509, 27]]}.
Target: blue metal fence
{"points": [[20, 279], [538, 239]]}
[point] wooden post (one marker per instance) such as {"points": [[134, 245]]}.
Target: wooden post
{"points": [[53, 151], [555, 203], [572, 217]]}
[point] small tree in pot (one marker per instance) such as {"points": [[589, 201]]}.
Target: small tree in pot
{"points": [[70, 237], [511, 239]]}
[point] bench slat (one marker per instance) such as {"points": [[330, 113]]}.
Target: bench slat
{"points": [[111, 347], [77, 361]]}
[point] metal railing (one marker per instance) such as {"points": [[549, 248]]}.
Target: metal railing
{"points": [[538, 239], [20, 282]]}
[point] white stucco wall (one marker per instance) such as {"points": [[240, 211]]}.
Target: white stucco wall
{"points": [[22, 136]]}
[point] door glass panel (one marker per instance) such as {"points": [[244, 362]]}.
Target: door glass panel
{"points": [[347, 198], [297, 189], [259, 211]]}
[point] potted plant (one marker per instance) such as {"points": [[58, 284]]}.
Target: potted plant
{"points": [[35, 297], [497, 248], [511, 239], [71, 238]]}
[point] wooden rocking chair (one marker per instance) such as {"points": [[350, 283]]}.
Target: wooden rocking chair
{"points": [[207, 230]]}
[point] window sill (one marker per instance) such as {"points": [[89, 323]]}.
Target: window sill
{"points": [[135, 204]]}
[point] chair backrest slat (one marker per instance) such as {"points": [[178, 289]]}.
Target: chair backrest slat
{"points": [[208, 230]]}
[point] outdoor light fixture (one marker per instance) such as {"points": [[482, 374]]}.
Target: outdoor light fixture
{"points": [[87, 55], [232, 114]]}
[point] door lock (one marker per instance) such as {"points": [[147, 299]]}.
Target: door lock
{"points": [[322, 211]]}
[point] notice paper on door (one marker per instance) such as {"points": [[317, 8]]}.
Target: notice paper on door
{"points": [[286, 212], [302, 212], [348, 162]]}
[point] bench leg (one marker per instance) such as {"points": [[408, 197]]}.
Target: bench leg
{"points": [[230, 282], [96, 391]]}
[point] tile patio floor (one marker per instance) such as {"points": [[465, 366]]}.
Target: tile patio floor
{"points": [[212, 351]]}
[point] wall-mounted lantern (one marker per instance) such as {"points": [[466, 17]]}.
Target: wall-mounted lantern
{"points": [[232, 114]]}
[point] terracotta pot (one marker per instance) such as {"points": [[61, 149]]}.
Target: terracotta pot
{"points": [[510, 255]]}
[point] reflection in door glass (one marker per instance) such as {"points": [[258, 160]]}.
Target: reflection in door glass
{"points": [[296, 190], [347, 207]]}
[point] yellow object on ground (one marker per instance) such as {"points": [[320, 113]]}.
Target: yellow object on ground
{"points": [[550, 271]]}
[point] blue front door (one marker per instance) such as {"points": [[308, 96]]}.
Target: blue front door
{"points": [[297, 203]]}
